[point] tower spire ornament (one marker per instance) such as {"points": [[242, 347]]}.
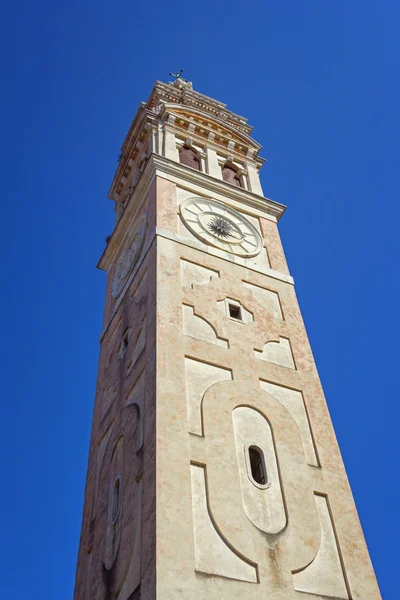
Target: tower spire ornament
{"points": [[180, 82], [214, 472], [177, 75]]}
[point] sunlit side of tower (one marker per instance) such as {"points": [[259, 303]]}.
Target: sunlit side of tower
{"points": [[214, 471]]}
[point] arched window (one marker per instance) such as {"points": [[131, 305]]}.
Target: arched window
{"points": [[188, 157], [257, 465], [230, 175], [116, 499]]}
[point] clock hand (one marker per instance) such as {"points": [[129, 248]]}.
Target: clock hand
{"points": [[238, 236]]}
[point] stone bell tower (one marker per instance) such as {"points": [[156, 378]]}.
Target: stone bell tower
{"points": [[214, 472]]}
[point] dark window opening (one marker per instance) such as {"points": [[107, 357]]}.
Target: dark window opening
{"points": [[116, 500], [189, 157], [230, 175], [124, 343], [257, 465], [235, 312]]}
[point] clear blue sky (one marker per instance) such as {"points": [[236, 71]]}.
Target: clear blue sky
{"points": [[319, 80]]}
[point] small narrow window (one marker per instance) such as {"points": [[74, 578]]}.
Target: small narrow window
{"points": [[257, 465], [116, 500], [235, 312], [124, 344], [188, 157]]}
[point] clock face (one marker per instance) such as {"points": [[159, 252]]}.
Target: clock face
{"points": [[129, 257], [218, 225]]}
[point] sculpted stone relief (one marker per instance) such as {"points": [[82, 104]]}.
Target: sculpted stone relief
{"points": [[270, 300], [136, 398], [293, 401], [139, 344], [101, 448], [193, 274], [108, 397], [259, 447], [278, 352], [200, 376], [213, 553], [316, 578], [117, 505], [114, 511], [113, 566], [129, 256], [200, 328]]}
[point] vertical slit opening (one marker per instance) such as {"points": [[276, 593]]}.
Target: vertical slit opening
{"points": [[257, 465], [116, 500]]}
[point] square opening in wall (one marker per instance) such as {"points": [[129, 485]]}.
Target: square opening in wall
{"points": [[235, 312]]}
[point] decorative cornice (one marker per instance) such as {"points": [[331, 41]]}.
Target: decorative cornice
{"points": [[213, 124], [142, 118], [121, 229], [167, 92], [218, 186], [180, 111], [211, 132], [158, 165]]}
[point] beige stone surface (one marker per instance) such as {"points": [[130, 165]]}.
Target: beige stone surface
{"points": [[316, 578], [278, 352], [269, 299], [293, 401], [200, 376], [192, 274], [200, 328], [213, 167], [213, 555]]}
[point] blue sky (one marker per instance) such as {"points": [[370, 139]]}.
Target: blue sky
{"points": [[319, 82]]}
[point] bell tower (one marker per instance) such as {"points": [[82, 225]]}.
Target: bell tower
{"points": [[214, 472]]}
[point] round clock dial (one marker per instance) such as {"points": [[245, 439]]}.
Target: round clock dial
{"points": [[129, 257], [221, 226]]}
